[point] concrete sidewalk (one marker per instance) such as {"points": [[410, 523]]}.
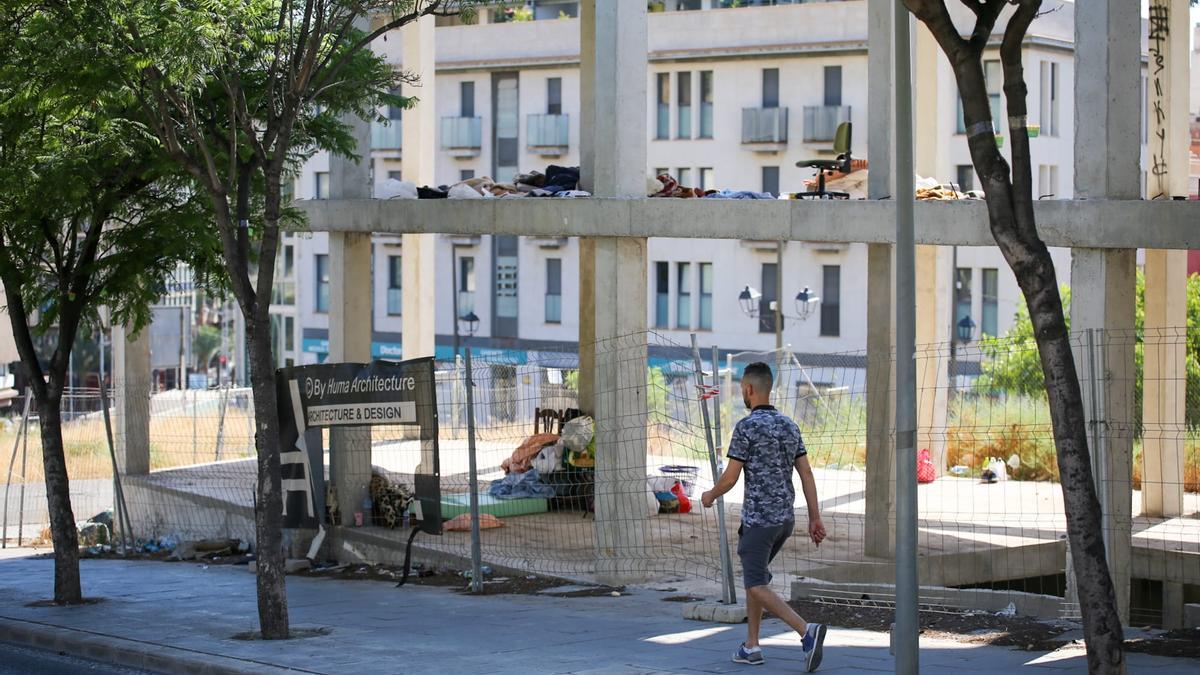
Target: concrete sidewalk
{"points": [[182, 617]]}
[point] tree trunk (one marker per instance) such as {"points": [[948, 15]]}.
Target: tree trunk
{"points": [[268, 514], [1009, 197], [67, 590]]}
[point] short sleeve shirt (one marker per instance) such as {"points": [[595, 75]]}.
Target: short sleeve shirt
{"points": [[768, 443]]}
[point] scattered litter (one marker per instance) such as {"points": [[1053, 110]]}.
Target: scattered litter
{"points": [[1011, 610], [616, 594]]}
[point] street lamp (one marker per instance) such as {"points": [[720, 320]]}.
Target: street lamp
{"points": [[470, 323], [749, 298], [966, 329], [806, 303]]}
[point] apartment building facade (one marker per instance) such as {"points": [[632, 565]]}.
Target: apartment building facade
{"points": [[736, 97]]}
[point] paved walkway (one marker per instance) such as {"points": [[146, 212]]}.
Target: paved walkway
{"points": [[182, 617]]}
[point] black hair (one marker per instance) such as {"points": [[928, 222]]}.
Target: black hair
{"points": [[759, 375]]}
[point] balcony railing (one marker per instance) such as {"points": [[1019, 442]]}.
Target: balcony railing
{"points": [[821, 121], [385, 136], [395, 301], [767, 126], [547, 134], [462, 136]]}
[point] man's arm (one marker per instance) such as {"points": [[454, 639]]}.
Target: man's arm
{"points": [[729, 478], [816, 529]]}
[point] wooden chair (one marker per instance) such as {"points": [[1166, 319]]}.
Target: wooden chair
{"points": [[547, 421]]}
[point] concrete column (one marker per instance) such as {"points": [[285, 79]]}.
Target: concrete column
{"points": [[618, 315], [880, 533], [879, 538], [1107, 155], [1164, 383], [933, 345], [418, 153], [613, 276], [350, 305], [131, 399], [1102, 306], [350, 314]]}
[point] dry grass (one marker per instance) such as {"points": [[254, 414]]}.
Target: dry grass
{"points": [[171, 444]]}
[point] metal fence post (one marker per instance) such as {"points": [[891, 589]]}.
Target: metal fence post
{"points": [[726, 556], [729, 595], [120, 510], [11, 463], [473, 474]]}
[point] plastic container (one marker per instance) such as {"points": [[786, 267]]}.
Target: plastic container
{"points": [[683, 473]]}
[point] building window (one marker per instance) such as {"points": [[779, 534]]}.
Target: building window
{"points": [[322, 263], [466, 174], [994, 77], [662, 294], [706, 179], [395, 175], [553, 290], [991, 288], [321, 185], [660, 171], [833, 85], [766, 313], [289, 334], [395, 297], [770, 88], [962, 296], [1049, 99], [1047, 181], [965, 173], [685, 177], [394, 111], [706, 296], [683, 296], [770, 180], [554, 96], [831, 300], [683, 88], [663, 123], [466, 99], [466, 285], [706, 104]]}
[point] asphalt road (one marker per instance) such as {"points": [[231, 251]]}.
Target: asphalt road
{"points": [[16, 660]]}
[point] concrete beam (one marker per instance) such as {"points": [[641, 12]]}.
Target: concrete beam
{"points": [[131, 400], [1094, 223]]}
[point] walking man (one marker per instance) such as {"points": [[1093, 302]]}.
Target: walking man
{"points": [[767, 445]]}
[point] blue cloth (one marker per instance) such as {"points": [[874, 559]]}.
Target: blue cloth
{"points": [[739, 194], [768, 443], [520, 486]]}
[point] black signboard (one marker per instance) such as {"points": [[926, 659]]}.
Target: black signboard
{"points": [[381, 393]]}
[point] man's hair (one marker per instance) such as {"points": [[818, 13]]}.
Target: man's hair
{"points": [[758, 374]]}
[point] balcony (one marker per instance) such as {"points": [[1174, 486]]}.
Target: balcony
{"points": [[462, 136], [547, 135], [821, 122], [385, 136], [765, 129]]}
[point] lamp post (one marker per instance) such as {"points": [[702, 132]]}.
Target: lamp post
{"points": [[806, 301]]}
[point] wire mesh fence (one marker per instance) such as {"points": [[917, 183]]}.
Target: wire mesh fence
{"points": [[557, 500]]}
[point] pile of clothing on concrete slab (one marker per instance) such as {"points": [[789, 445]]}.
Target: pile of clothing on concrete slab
{"points": [[666, 186], [389, 501], [929, 189], [556, 181], [538, 454]]}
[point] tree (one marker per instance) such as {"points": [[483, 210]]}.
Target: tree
{"points": [[205, 345], [1009, 195], [90, 215], [240, 92]]}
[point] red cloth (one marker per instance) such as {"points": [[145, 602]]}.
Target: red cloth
{"points": [[925, 471]]}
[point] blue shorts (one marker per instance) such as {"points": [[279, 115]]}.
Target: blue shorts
{"points": [[757, 547]]}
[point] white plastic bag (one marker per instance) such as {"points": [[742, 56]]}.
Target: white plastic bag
{"points": [[549, 459], [577, 434], [396, 189]]}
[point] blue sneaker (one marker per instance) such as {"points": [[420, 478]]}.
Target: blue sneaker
{"points": [[752, 656], [814, 638]]}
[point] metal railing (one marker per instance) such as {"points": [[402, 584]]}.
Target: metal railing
{"points": [[821, 121], [385, 136], [462, 133], [764, 125], [547, 131]]}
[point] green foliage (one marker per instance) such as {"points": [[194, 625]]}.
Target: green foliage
{"points": [[205, 344], [656, 393], [1011, 363]]}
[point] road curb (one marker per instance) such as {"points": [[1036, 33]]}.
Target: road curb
{"points": [[130, 653]]}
